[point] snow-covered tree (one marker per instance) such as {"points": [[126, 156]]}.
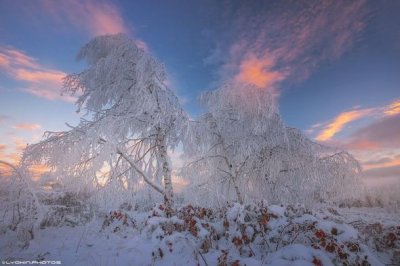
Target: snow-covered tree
{"points": [[241, 150], [131, 119], [20, 208]]}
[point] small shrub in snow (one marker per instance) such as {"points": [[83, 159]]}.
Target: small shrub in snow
{"points": [[67, 209], [118, 222], [238, 233], [385, 240]]}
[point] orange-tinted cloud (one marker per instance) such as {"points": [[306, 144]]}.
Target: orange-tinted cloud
{"points": [[27, 126], [382, 164], [382, 128], [38, 170], [14, 158], [258, 72], [393, 108], [340, 122], [297, 37], [37, 79], [374, 144]]}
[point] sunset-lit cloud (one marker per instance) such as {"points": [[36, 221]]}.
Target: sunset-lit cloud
{"points": [[296, 38], [383, 133], [94, 17], [38, 170], [383, 119], [375, 143], [36, 79], [340, 122], [38, 76], [27, 126], [12, 154], [258, 72], [385, 162], [393, 108]]}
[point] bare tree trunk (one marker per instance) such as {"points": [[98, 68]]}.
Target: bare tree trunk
{"points": [[167, 178], [238, 194]]}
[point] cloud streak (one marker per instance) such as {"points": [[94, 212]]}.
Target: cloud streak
{"points": [[288, 40], [393, 108], [384, 133], [95, 17], [384, 113], [27, 126], [339, 122], [375, 144], [382, 172], [37, 79]]}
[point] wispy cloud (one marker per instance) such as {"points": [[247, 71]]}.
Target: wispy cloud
{"points": [[384, 133], [27, 126], [383, 163], [383, 172], [93, 17], [14, 157], [378, 116], [288, 40], [339, 122], [393, 108], [96, 17], [375, 142], [37, 79]]}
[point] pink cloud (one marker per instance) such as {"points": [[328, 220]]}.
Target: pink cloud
{"points": [[49, 92], [95, 17], [297, 38], [37, 79], [375, 143], [37, 76], [384, 133], [27, 126]]}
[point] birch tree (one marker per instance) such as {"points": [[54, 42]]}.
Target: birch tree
{"points": [[130, 120], [242, 150]]}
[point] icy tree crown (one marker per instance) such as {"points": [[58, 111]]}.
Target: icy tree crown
{"points": [[131, 119]]}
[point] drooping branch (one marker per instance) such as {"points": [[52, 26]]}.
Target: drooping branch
{"points": [[137, 168]]}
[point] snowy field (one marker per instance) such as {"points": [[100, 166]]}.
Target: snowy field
{"points": [[234, 235]]}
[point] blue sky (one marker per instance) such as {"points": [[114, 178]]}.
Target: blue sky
{"points": [[334, 65]]}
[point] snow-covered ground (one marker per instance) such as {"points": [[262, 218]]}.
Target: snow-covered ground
{"points": [[257, 234]]}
